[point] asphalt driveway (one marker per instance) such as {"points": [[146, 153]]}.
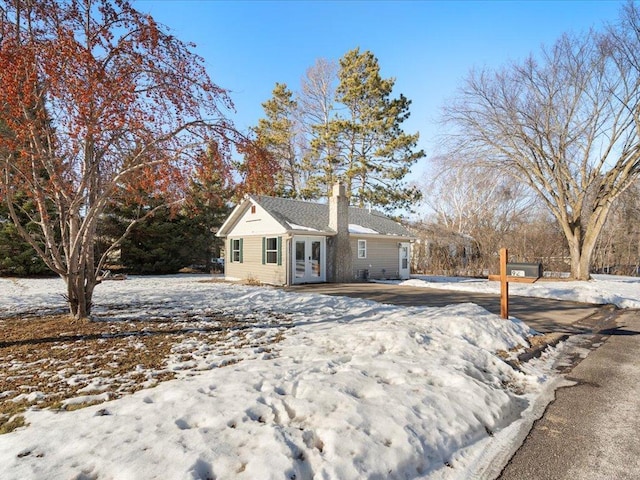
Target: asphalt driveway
{"points": [[542, 314]]}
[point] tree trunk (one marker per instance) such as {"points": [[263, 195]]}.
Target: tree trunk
{"points": [[79, 295], [579, 266], [81, 281], [581, 253], [587, 239]]}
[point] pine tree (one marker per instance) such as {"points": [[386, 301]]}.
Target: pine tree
{"points": [[17, 257], [276, 134], [375, 154], [162, 243], [171, 238], [350, 133], [208, 204]]}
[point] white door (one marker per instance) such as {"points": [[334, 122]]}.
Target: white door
{"points": [[405, 267], [309, 259]]}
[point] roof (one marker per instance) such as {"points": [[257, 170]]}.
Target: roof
{"points": [[296, 215]]}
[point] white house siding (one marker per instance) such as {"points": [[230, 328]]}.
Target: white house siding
{"points": [[257, 223], [383, 257], [251, 267]]}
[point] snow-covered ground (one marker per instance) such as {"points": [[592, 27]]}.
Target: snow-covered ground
{"points": [[602, 289], [356, 390]]}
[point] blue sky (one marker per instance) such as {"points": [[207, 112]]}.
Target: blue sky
{"points": [[428, 46]]}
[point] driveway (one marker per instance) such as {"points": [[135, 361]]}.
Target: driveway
{"points": [[544, 315]]}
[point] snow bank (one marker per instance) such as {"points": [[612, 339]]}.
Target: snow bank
{"points": [[356, 390], [623, 292]]}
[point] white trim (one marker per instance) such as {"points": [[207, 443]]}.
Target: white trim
{"points": [[404, 273], [233, 250], [241, 222], [307, 232], [362, 249], [236, 212], [267, 250], [308, 265], [397, 238]]}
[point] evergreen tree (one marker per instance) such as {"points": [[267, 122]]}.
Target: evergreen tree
{"points": [[276, 134], [168, 240], [375, 154], [208, 204], [162, 243], [17, 256], [352, 134]]}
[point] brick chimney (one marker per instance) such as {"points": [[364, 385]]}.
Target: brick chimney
{"points": [[340, 269]]}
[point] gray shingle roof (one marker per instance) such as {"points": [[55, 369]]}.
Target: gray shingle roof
{"points": [[291, 213]]}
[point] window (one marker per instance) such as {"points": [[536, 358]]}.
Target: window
{"points": [[405, 257], [236, 250], [362, 249], [272, 250]]}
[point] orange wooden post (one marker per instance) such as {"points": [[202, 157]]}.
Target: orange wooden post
{"points": [[504, 284]]}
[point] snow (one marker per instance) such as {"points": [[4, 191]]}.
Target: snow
{"points": [[293, 226], [353, 228], [624, 292], [356, 389], [359, 229]]}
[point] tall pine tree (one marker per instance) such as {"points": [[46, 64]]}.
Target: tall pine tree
{"points": [[375, 153], [276, 134], [17, 256], [344, 128], [164, 240]]}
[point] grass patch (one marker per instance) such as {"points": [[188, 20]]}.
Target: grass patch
{"points": [[46, 361], [11, 424]]}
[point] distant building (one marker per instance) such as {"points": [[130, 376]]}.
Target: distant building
{"points": [[440, 251]]}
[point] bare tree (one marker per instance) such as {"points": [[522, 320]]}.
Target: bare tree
{"points": [[474, 200], [618, 248], [564, 122], [315, 110], [98, 99]]}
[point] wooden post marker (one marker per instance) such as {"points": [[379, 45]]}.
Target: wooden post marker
{"points": [[504, 284], [513, 272]]}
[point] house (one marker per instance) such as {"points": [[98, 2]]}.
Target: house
{"points": [[281, 241], [439, 250]]}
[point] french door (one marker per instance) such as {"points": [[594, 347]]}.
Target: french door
{"points": [[309, 259]]}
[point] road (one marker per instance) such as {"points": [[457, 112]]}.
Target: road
{"points": [[592, 429]]}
